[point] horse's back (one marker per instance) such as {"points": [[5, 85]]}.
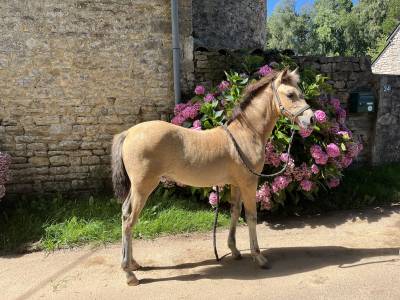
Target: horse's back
{"points": [[158, 147]]}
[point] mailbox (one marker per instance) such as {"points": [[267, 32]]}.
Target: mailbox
{"points": [[362, 102]]}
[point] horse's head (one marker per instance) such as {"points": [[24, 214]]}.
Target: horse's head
{"points": [[290, 100]]}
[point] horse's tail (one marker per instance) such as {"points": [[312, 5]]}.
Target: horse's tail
{"points": [[120, 179]]}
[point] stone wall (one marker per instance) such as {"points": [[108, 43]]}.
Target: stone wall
{"points": [[350, 74], [347, 74], [387, 133], [72, 74], [229, 24]]}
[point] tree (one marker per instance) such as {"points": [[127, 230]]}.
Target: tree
{"points": [[287, 29], [392, 19], [334, 27], [331, 18]]}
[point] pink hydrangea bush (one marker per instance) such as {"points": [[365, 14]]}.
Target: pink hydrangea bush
{"points": [[319, 155], [5, 162]]}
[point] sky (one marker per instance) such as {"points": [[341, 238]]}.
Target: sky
{"points": [[299, 4]]}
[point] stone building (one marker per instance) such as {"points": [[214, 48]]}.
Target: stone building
{"points": [[75, 72], [388, 61]]}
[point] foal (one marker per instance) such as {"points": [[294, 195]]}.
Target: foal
{"points": [[144, 153]]}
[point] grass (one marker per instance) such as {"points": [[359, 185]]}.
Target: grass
{"points": [[368, 186], [62, 223]]}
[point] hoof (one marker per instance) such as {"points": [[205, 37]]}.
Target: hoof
{"points": [[131, 279], [133, 266], [236, 255], [265, 266], [262, 262]]}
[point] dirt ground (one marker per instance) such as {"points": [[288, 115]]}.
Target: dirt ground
{"points": [[347, 255]]}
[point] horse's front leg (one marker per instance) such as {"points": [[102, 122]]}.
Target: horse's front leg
{"points": [[236, 207], [248, 194]]}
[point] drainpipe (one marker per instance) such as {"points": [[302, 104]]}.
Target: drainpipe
{"points": [[176, 50]]}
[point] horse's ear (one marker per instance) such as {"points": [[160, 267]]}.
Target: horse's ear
{"points": [[282, 77], [295, 76], [288, 77]]}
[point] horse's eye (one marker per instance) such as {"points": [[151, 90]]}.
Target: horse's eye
{"points": [[291, 95]]}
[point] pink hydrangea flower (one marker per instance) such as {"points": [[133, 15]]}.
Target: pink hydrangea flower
{"points": [[322, 160], [224, 85], [333, 182], [354, 149], [314, 169], [346, 161], [271, 157], [319, 155], [213, 198], [306, 171], [335, 103], [179, 108], [263, 194], [280, 183], [196, 125], [335, 128], [315, 150], [284, 157], [265, 70], [333, 150], [297, 173], [191, 112], [200, 90], [178, 120], [305, 132], [320, 116], [306, 185], [341, 115], [267, 205], [209, 98]]}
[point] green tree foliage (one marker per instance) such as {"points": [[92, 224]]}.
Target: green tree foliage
{"points": [[287, 29], [393, 16], [330, 20], [333, 27]]}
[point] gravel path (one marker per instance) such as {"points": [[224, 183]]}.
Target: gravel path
{"points": [[346, 255]]}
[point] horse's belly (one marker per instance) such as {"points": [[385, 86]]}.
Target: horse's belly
{"points": [[200, 178]]}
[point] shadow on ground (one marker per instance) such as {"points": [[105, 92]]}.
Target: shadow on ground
{"points": [[284, 261], [333, 219]]}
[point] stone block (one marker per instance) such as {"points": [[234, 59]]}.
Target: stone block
{"points": [[39, 161], [59, 160], [90, 160], [37, 146]]}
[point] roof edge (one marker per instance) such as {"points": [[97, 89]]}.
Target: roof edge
{"points": [[388, 42], [394, 32]]}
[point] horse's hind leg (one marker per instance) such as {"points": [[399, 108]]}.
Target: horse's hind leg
{"points": [[130, 215], [236, 207], [128, 263]]}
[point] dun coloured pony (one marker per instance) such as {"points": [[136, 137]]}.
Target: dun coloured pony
{"points": [[144, 153]]}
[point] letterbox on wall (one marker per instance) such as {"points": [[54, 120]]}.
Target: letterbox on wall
{"points": [[362, 102]]}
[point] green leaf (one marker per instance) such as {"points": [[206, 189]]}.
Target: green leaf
{"points": [[219, 113]]}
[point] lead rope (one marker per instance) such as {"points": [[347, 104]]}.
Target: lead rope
{"points": [[242, 158], [215, 227]]}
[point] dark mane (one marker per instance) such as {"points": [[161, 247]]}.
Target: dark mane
{"points": [[250, 92]]}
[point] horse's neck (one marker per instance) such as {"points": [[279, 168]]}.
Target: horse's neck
{"points": [[259, 118]]}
